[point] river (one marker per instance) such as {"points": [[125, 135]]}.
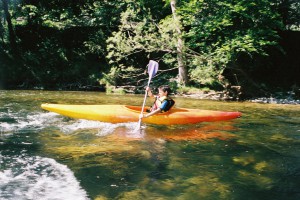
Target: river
{"points": [[46, 156]]}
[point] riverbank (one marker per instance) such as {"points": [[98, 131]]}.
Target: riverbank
{"points": [[288, 97], [277, 98]]}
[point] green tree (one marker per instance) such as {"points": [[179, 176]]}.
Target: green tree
{"points": [[60, 42], [11, 31], [220, 32], [141, 36], [182, 69], [55, 37], [290, 13]]}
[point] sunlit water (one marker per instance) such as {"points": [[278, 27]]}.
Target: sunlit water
{"points": [[47, 156]]}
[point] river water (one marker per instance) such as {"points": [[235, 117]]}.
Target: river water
{"points": [[50, 157]]}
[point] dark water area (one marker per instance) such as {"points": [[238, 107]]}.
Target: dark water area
{"points": [[44, 155]]}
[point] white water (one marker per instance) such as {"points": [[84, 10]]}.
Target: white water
{"points": [[37, 121], [103, 129], [37, 178]]}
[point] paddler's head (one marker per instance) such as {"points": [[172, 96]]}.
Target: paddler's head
{"points": [[164, 90]]}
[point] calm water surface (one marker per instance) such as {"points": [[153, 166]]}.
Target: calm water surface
{"points": [[47, 156]]}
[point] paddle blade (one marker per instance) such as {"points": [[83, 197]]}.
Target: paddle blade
{"points": [[152, 68]]}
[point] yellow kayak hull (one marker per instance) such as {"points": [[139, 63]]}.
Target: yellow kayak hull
{"points": [[125, 113]]}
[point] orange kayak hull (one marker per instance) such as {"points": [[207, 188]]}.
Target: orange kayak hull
{"points": [[125, 113]]}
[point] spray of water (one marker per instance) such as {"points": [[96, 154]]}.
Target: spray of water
{"points": [[38, 178], [41, 120], [103, 129]]}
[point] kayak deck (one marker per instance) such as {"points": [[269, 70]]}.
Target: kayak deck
{"points": [[126, 113]]}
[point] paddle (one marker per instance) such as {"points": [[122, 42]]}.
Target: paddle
{"points": [[152, 70]]}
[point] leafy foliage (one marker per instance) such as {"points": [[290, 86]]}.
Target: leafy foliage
{"points": [[55, 43], [140, 35], [221, 31]]}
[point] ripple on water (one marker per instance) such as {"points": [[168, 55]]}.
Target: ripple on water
{"points": [[103, 128], [38, 178], [38, 120]]}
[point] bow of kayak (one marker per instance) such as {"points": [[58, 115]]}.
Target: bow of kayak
{"points": [[125, 113]]}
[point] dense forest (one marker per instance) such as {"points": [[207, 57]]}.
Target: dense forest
{"points": [[251, 46]]}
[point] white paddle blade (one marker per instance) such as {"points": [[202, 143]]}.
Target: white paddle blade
{"points": [[152, 68]]}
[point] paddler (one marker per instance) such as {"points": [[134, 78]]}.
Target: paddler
{"points": [[162, 103]]}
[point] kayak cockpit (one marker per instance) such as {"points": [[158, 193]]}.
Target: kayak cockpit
{"points": [[138, 109]]}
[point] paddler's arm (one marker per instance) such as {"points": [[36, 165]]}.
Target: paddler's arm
{"points": [[150, 114]]}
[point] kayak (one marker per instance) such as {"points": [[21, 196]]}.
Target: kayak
{"points": [[126, 113]]}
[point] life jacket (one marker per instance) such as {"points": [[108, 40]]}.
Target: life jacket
{"points": [[159, 101]]}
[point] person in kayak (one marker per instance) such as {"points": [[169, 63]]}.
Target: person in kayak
{"points": [[162, 103]]}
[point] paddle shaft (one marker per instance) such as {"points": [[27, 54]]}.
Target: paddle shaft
{"points": [[152, 69], [143, 106]]}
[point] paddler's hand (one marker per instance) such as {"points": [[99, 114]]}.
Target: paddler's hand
{"points": [[143, 116]]}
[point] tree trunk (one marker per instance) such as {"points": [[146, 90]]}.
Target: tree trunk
{"points": [[12, 40], [11, 32], [182, 71], [2, 31]]}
